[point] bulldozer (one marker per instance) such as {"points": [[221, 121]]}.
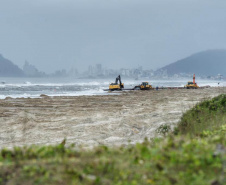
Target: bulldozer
{"points": [[116, 86], [191, 85], [143, 86]]}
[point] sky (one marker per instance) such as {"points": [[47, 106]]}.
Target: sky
{"points": [[61, 34]]}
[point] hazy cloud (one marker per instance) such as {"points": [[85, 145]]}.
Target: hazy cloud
{"points": [[54, 34]]}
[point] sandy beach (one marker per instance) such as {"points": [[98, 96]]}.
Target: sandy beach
{"points": [[95, 120]]}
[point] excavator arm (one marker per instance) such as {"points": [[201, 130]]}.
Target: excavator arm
{"points": [[118, 79]]}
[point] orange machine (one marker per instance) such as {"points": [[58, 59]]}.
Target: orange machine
{"points": [[192, 85]]}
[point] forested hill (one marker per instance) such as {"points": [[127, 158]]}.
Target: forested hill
{"points": [[8, 69], [211, 62]]}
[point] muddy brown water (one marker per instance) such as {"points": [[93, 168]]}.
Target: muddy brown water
{"points": [[95, 120]]}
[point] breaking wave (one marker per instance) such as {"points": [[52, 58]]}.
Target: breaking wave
{"points": [[33, 88]]}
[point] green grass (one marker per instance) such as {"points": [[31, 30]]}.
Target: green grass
{"points": [[207, 115], [175, 159]]}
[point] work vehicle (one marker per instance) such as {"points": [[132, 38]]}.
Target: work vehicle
{"points": [[116, 85], [143, 86], [192, 85]]}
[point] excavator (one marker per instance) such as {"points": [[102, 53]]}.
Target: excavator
{"points": [[143, 86], [192, 85], [116, 86]]}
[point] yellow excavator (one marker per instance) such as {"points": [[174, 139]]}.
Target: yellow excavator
{"points": [[143, 86], [116, 86], [191, 85]]}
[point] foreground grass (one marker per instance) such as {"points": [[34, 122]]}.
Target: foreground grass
{"points": [[179, 159]]}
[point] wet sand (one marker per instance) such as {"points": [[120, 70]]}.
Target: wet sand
{"points": [[95, 120]]}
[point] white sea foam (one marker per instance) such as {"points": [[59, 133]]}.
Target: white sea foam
{"points": [[25, 95], [33, 88], [52, 94]]}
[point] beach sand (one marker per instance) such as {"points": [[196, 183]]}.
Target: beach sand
{"points": [[95, 120]]}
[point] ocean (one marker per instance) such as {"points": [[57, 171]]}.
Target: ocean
{"points": [[34, 87]]}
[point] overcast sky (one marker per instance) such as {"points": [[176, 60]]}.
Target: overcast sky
{"points": [[56, 34]]}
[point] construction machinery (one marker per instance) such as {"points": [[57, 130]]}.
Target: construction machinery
{"points": [[192, 85], [143, 86], [116, 86]]}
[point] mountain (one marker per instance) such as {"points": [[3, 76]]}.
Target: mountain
{"points": [[8, 69], [210, 62]]}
